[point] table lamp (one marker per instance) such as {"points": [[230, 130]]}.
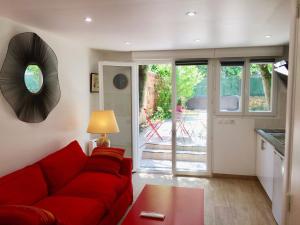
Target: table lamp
{"points": [[103, 123]]}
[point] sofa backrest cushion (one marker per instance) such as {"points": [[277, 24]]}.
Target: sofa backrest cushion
{"points": [[25, 186], [62, 166]]}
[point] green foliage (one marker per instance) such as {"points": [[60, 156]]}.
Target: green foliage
{"points": [[232, 71], [231, 78], [262, 71], [255, 69], [258, 70], [163, 89], [187, 80], [192, 81], [258, 103]]}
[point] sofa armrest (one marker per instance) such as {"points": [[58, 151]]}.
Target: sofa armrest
{"points": [[126, 167], [25, 215]]}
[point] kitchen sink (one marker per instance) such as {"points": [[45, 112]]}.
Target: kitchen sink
{"points": [[280, 137], [273, 131], [275, 137]]}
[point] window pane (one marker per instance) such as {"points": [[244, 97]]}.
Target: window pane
{"points": [[260, 87], [230, 88]]}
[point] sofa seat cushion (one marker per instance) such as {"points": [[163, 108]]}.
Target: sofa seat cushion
{"points": [[73, 210], [62, 166], [104, 187], [25, 186]]}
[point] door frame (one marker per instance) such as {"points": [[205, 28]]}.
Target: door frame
{"points": [[291, 164], [211, 69], [210, 94], [134, 101]]}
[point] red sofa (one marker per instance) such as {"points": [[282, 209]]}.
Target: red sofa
{"points": [[59, 190]]}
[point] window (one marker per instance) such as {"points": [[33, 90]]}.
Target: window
{"points": [[231, 83], [260, 86]]}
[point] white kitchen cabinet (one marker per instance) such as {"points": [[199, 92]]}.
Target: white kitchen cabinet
{"points": [[277, 199], [264, 165]]}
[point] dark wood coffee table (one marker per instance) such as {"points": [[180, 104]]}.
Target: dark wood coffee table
{"points": [[181, 206]]}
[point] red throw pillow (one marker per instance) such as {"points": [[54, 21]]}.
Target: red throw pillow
{"points": [[106, 160], [117, 153]]}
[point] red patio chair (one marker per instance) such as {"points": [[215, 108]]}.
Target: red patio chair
{"points": [[154, 127], [180, 124]]}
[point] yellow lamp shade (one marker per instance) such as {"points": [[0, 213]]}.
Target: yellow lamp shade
{"points": [[103, 122]]}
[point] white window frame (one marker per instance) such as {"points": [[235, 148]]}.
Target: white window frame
{"points": [[218, 90], [273, 94]]}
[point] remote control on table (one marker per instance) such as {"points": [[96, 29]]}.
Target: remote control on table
{"points": [[153, 215]]}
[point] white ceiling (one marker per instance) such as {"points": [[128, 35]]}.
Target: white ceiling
{"points": [[157, 24]]}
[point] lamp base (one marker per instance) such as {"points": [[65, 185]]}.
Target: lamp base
{"points": [[103, 141]]}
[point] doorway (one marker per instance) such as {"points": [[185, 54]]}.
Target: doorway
{"points": [[116, 80], [172, 117]]}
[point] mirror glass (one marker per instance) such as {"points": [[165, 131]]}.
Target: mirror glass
{"points": [[33, 78]]}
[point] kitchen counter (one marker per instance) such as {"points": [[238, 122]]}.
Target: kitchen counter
{"points": [[270, 167], [276, 137]]}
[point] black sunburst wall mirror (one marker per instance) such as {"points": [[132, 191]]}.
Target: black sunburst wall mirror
{"points": [[29, 77]]}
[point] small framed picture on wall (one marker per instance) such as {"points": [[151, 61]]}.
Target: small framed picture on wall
{"points": [[94, 83]]}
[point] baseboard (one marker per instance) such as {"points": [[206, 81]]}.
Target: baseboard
{"points": [[233, 176]]}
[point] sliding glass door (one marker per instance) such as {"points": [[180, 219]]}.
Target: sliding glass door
{"points": [[173, 124], [191, 117]]}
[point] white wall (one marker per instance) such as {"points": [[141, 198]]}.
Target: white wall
{"points": [[23, 143], [233, 146], [95, 56]]}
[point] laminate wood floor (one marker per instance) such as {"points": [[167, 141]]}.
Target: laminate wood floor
{"points": [[227, 201]]}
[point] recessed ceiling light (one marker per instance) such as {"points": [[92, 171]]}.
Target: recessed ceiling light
{"points": [[197, 40], [191, 13], [127, 43], [268, 36], [88, 19]]}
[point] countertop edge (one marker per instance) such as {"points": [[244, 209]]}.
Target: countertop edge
{"points": [[278, 147]]}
